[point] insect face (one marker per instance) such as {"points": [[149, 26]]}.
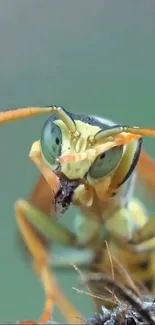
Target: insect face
{"points": [[67, 151], [76, 156]]}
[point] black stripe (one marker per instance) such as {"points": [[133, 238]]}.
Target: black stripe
{"points": [[134, 161]]}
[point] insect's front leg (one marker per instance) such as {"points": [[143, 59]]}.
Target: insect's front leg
{"points": [[41, 261], [29, 218], [147, 232], [129, 218]]}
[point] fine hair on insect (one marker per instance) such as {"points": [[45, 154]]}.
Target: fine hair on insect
{"points": [[131, 310], [130, 306]]}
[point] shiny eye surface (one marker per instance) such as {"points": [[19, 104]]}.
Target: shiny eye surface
{"points": [[51, 141], [106, 162]]}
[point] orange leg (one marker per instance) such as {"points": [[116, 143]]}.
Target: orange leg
{"points": [[40, 258], [36, 245]]}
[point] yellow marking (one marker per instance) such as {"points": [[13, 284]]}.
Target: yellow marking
{"points": [[83, 195], [76, 158]]}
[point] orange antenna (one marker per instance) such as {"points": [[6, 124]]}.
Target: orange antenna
{"points": [[18, 113]]}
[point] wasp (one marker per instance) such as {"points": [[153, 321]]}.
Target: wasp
{"points": [[91, 163]]}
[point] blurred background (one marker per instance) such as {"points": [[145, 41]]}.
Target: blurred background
{"points": [[88, 56]]}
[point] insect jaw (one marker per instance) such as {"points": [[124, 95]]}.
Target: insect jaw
{"points": [[63, 197]]}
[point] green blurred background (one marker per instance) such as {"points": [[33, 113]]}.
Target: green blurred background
{"points": [[92, 56]]}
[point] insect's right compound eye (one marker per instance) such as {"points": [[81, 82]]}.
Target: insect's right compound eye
{"points": [[106, 162], [51, 141]]}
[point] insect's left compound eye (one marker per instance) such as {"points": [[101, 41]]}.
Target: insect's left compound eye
{"points": [[51, 141], [106, 162]]}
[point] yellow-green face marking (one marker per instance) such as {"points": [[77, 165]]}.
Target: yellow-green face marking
{"points": [[75, 153]]}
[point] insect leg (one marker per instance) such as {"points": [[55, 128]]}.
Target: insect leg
{"points": [[81, 258], [145, 233], [143, 244], [29, 218], [40, 257], [84, 257]]}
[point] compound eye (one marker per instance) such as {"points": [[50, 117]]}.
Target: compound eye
{"points": [[51, 142], [106, 162]]}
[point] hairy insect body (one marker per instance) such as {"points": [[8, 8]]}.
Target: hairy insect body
{"points": [[126, 314], [130, 308]]}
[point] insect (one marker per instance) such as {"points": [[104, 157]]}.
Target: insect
{"points": [[91, 163]]}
